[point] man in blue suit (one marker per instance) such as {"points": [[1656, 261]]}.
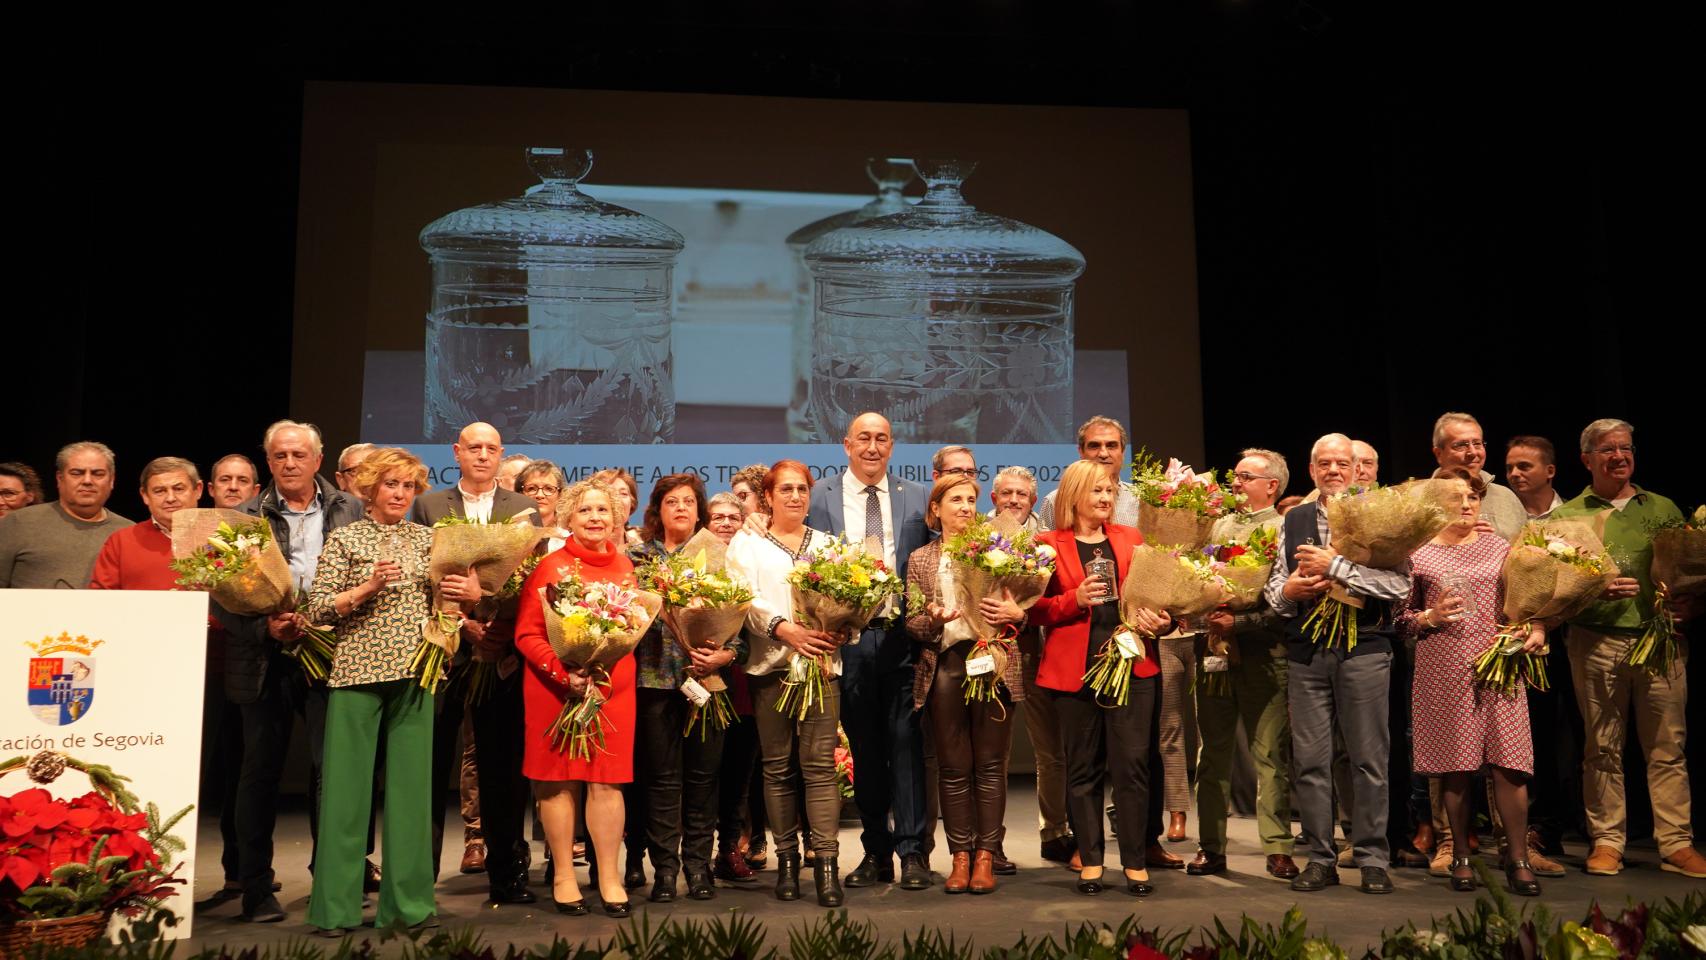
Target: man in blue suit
{"points": [[868, 505]]}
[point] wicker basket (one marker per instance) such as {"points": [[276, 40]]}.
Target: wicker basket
{"points": [[16, 939]]}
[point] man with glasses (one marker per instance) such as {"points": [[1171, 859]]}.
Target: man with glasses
{"points": [[1612, 694], [347, 462], [1458, 443], [953, 460], [1256, 668]]}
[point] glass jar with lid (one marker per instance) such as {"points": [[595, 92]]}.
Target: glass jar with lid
{"points": [[551, 315], [891, 175], [955, 323]]}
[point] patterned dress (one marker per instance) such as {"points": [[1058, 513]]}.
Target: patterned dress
{"points": [[1458, 726], [377, 639]]}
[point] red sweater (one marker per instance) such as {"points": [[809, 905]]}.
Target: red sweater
{"points": [[1066, 648], [135, 558]]}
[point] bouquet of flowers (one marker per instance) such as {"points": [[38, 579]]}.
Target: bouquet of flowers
{"points": [[1378, 527], [1176, 505], [991, 557], [1555, 569], [481, 674], [704, 606], [232, 556], [1678, 570], [1245, 565], [1177, 581], [843, 764], [591, 626], [315, 649], [460, 545], [838, 589]]}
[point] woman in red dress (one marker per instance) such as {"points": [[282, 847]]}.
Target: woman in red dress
{"points": [[587, 510]]}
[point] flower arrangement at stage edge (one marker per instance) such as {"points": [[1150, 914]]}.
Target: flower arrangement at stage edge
{"points": [[87, 857], [991, 558], [838, 588], [704, 606], [843, 763], [591, 625], [1176, 505], [232, 556], [1678, 570]]}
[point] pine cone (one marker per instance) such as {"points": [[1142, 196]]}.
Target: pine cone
{"points": [[46, 766]]}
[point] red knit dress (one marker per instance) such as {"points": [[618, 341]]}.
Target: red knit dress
{"points": [[1459, 726], [544, 688]]}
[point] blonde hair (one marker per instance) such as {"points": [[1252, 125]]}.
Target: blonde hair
{"points": [[388, 460], [944, 483], [1076, 482], [571, 499]]}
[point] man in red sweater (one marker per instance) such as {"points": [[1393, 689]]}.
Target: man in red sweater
{"points": [[139, 556]]}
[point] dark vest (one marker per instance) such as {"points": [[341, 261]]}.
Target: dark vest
{"points": [[1375, 627]]}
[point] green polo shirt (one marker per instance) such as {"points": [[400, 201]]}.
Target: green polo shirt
{"points": [[1629, 540]]}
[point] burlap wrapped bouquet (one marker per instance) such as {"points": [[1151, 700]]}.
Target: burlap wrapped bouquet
{"points": [[1679, 558], [590, 626], [1173, 526], [1556, 568], [838, 588], [1176, 505], [704, 606], [1380, 528], [994, 558], [491, 552], [1177, 582], [232, 556]]}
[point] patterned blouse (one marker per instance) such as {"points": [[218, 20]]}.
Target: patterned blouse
{"points": [[377, 639]]}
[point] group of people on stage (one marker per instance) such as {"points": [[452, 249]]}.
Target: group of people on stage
{"points": [[1384, 738]]}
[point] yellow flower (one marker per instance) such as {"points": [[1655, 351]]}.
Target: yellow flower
{"points": [[860, 577]]}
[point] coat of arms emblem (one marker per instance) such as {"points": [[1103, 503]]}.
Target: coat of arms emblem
{"points": [[62, 678]]}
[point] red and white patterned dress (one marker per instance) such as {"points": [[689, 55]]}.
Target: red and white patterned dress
{"points": [[1457, 725]]}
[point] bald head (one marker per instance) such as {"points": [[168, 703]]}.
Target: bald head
{"points": [[869, 444], [479, 452]]}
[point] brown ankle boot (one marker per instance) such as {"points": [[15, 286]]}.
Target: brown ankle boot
{"points": [[959, 878], [983, 872]]}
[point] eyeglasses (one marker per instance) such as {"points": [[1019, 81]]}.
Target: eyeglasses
{"points": [[1462, 445], [1247, 477], [540, 489], [1624, 448], [961, 471]]}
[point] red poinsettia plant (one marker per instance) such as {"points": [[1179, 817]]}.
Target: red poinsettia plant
{"points": [[94, 854]]}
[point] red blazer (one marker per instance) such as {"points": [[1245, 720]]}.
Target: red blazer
{"points": [[1065, 646]]}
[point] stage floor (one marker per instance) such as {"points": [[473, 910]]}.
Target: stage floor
{"points": [[1040, 899]]}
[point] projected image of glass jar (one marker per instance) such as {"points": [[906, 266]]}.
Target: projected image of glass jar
{"points": [[551, 315], [956, 324], [891, 177]]}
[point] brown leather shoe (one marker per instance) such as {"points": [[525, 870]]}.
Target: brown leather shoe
{"points": [[474, 857], [982, 871], [1604, 861], [1157, 856], [1206, 863], [1687, 862], [1282, 867], [1176, 827], [1003, 866], [959, 876], [1423, 841]]}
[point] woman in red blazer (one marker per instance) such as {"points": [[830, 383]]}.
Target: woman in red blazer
{"points": [[1082, 615]]}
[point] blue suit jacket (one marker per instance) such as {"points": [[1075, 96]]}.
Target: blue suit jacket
{"points": [[891, 646]]}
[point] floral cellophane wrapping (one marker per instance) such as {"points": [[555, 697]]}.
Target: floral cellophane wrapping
{"points": [[492, 550], [707, 628], [265, 586], [1158, 580], [1539, 586], [1382, 527], [584, 650], [1679, 560], [1173, 526]]}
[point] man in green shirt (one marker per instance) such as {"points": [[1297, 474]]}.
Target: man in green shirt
{"points": [[1610, 690]]}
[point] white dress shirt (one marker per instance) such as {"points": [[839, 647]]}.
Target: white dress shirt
{"points": [[853, 498], [477, 506]]}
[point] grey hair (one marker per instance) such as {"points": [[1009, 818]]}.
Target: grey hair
{"points": [[361, 448], [1600, 428], [272, 431], [1101, 421], [1276, 466], [725, 498], [1315, 447], [1446, 420], [160, 465], [941, 456], [63, 457], [1017, 472], [515, 458], [535, 467]]}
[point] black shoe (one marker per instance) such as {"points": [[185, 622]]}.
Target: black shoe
{"points": [[914, 872], [1206, 863], [1375, 880], [428, 923], [829, 883], [1138, 888], [370, 878], [635, 878], [332, 933], [265, 910], [1060, 849], [1465, 884], [575, 908], [618, 910], [700, 887], [1003, 866], [1522, 888], [788, 876], [872, 870], [513, 892], [1090, 888], [1316, 876], [219, 898], [663, 887]]}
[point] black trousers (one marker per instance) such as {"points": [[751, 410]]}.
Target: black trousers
{"points": [[504, 793], [1115, 744], [735, 807], [876, 712], [674, 793], [266, 727]]}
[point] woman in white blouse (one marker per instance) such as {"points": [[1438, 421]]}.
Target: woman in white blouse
{"points": [[793, 750]]}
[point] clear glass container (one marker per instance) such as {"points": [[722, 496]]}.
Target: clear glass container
{"points": [[956, 324], [551, 315], [891, 176]]}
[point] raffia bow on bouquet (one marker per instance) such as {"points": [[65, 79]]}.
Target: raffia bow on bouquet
{"points": [[1378, 527], [838, 589], [1178, 582], [1556, 569], [491, 552], [233, 557], [591, 625], [1678, 570], [1176, 505], [1244, 565], [994, 559], [704, 606]]}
